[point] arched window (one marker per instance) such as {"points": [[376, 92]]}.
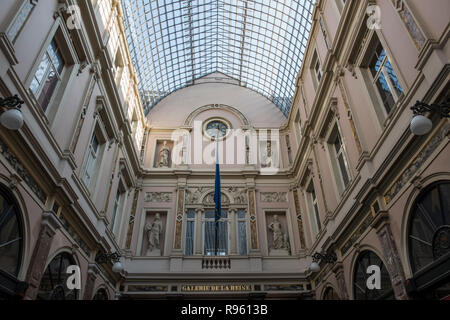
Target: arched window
{"points": [[11, 235], [54, 281], [330, 294], [101, 295], [361, 290], [429, 226]]}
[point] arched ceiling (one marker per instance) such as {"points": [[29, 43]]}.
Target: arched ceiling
{"points": [[260, 43]]}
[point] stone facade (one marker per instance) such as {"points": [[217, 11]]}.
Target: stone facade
{"points": [[349, 173]]}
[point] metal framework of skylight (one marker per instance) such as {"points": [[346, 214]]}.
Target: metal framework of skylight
{"points": [[260, 43]]}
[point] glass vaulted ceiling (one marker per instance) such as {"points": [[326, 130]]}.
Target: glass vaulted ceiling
{"points": [[260, 43]]}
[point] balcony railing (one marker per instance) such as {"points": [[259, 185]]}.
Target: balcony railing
{"points": [[216, 263]]}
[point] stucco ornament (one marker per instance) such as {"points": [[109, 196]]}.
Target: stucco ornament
{"points": [[154, 231], [235, 195], [158, 197], [273, 196], [164, 155]]}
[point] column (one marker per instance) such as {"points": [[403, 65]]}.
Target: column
{"points": [[179, 218], [198, 231], [299, 218], [394, 264], [338, 271], [232, 229], [92, 273], [132, 217], [253, 227], [49, 225]]}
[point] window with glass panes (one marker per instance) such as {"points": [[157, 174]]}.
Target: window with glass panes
{"points": [[11, 235], [209, 232], [314, 209], [318, 71], [189, 233], [241, 232], [340, 159], [360, 278], [384, 77], [116, 209], [48, 75], [92, 158]]}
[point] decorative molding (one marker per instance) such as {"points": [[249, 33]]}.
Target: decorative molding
{"points": [[299, 219], [252, 213], [230, 195], [394, 264], [208, 200], [22, 171], [74, 235], [158, 197], [179, 220], [417, 163], [147, 288], [196, 112], [273, 196], [356, 235], [410, 23], [8, 49]]}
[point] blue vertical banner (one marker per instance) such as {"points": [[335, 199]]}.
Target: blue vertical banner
{"points": [[217, 197]]}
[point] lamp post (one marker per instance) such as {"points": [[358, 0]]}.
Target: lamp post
{"points": [[324, 257], [421, 125], [12, 117], [103, 258]]}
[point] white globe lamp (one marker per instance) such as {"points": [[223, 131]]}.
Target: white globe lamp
{"points": [[12, 119], [420, 125]]}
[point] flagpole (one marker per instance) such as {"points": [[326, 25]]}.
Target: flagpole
{"points": [[216, 245]]}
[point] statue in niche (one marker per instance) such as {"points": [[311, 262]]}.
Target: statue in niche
{"points": [[277, 233], [266, 160], [164, 155], [154, 231], [280, 242]]}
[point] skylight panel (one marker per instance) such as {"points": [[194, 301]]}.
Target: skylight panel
{"points": [[260, 43]]}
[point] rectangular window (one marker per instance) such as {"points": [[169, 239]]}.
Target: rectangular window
{"points": [[298, 122], [316, 70], [91, 161], [340, 159], [209, 241], [48, 75], [190, 229], [20, 20], [314, 209], [384, 77], [116, 210], [242, 232]]}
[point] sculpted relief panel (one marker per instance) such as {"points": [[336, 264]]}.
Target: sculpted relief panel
{"points": [[158, 197], [273, 196], [205, 195]]}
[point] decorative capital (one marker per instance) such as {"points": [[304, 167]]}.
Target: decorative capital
{"points": [[50, 222], [14, 181]]}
